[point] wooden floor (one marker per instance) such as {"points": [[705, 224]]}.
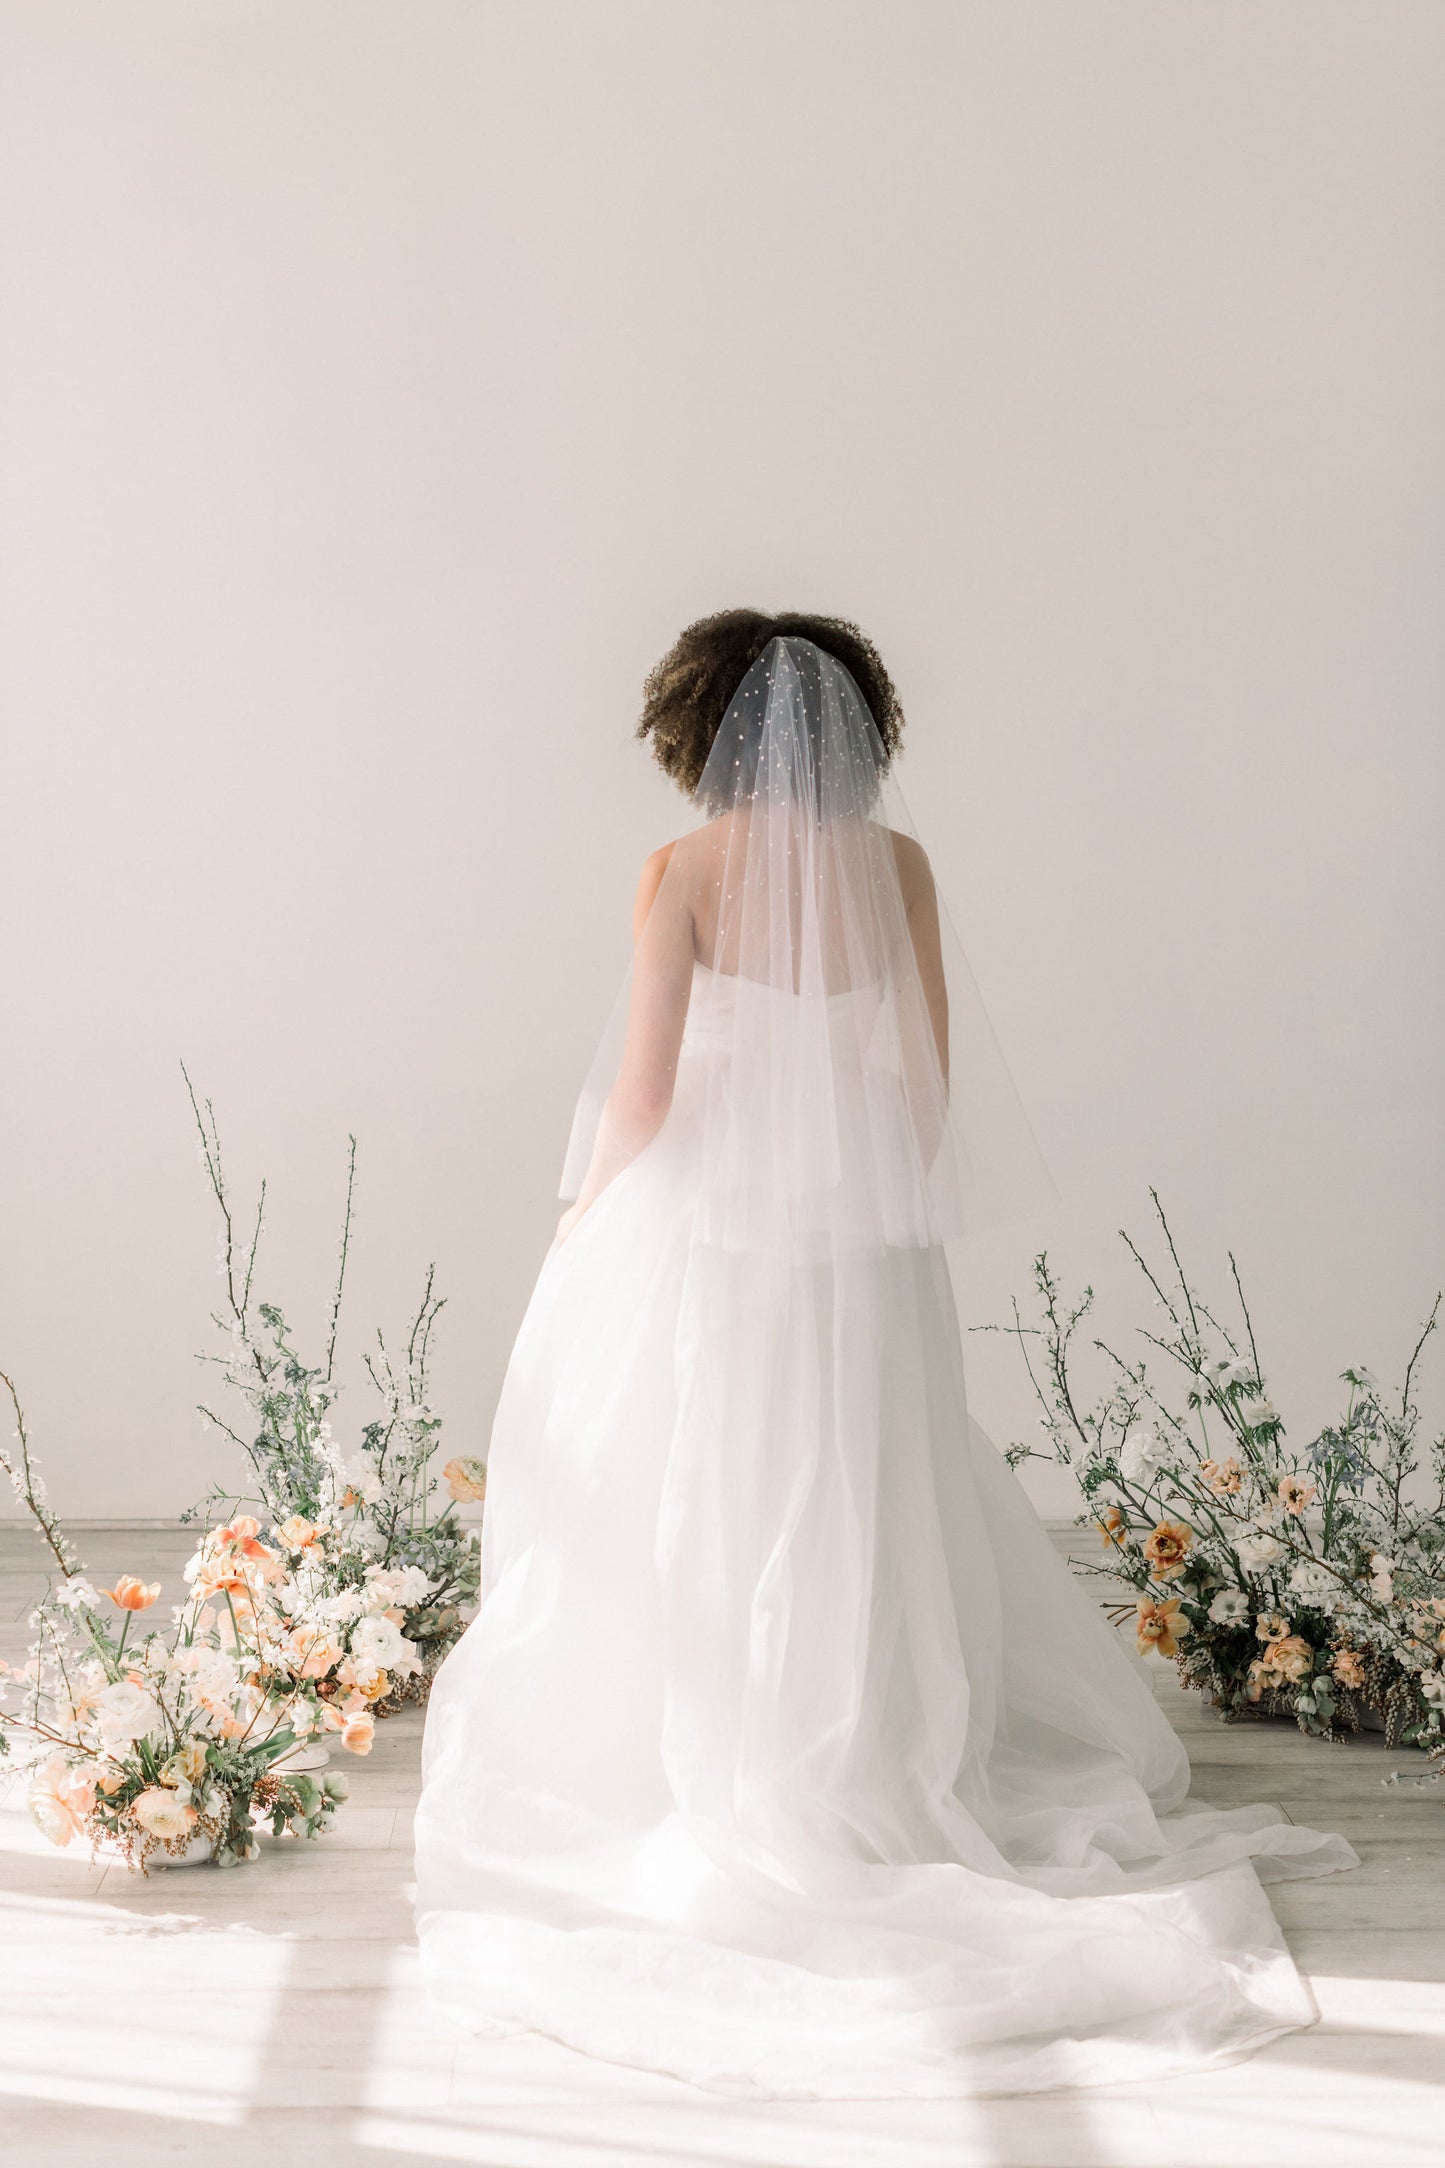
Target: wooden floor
{"points": [[271, 2014]]}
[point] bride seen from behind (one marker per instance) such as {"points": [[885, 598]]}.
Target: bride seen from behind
{"points": [[784, 1754]]}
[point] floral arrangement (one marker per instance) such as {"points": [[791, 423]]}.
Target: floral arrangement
{"points": [[373, 1578], [181, 1743], [1304, 1583]]}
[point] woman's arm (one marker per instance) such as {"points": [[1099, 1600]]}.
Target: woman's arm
{"points": [[638, 1103]]}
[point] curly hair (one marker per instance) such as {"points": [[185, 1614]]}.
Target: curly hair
{"points": [[686, 695]]}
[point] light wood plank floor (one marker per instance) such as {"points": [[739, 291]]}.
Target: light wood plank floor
{"points": [[272, 2013]]}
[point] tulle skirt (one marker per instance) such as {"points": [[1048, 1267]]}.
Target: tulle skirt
{"points": [[784, 1754]]}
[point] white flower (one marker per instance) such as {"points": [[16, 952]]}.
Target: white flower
{"points": [[1366, 1380], [417, 1414], [364, 1479], [1258, 1550], [126, 1711], [1432, 1686], [1230, 1607], [401, 1585], [1143, 1453], [76, 1591], [1262, 1416], [344, 1606], [1382, 1583], [1235, 1373], [378, 1640], [163, 1812], [1315, 1584]]}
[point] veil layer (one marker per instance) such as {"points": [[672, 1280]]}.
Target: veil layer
{"points": [[854, 1093]]}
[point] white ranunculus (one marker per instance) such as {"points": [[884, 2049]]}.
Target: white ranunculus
{"points": [[344, 1606], [1314, 1584], [126, 1711], [378, 1640], [1258, 1550], [1143, 1453], [1230, 1607], [163, 1812]]}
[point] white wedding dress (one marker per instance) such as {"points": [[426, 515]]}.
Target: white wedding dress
{"points": [[784, 1755]]}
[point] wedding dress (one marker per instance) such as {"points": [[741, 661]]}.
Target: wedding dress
{"points": [[784, 1754]]}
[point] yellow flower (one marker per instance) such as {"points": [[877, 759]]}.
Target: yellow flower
{"points": [[187, 1765], [1159, 1626], [1166, 1547]]}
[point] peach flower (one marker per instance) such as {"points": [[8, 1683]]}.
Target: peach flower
{"points": [[1166, 1547], [1113, 1525], [321, 1654], [358, 1730], [131, 1594], [1271, 1626], [297, 1533], [1159, 1626], [466, 1479], [1348, 1668], [62, 1797], [1223, 1476], [1295, 1493], [1292, 1657], [159, 1812]]}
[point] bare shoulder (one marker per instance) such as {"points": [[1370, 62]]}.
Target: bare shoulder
{"points": [[653, 868], [915, 874]]}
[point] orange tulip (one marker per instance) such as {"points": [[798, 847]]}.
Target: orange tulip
{"points": [[358, 1730], [131, 1594]]}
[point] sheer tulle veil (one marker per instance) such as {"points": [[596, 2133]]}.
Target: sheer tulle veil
{"points": [[784, 1754], [855, 1103]]}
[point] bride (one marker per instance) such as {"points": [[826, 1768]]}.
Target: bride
{"points": [[784, 1754]]}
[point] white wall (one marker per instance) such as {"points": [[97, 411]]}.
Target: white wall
{"points": [[383, 387]]}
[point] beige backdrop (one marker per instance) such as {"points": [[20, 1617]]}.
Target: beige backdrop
{"points": [[384, 385]]}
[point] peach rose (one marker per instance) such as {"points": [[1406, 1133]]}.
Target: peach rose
{"points": [[321, 1654], [297, 1533], [131, 1594], [1292, 1657], [1348, 1668], [1166, 1547], [1159, 1626]]}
